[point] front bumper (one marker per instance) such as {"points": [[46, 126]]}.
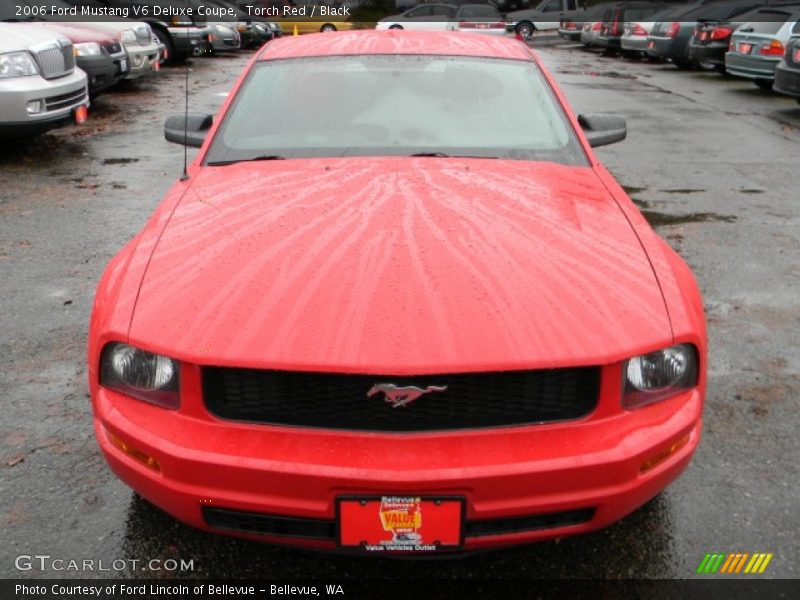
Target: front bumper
{"points": [[750, 67], [60, 96], [787, 80], [589, 466], [104, 70], [143, 60], [190, 40]]}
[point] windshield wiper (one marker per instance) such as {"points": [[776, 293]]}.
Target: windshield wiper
{"points": [[443, 155], [220, 163]]}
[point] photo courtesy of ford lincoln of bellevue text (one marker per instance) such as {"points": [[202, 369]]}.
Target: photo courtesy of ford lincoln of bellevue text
{"points": [[397, 306]]}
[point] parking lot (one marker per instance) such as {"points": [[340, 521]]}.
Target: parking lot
{"points": [[711, 161]]}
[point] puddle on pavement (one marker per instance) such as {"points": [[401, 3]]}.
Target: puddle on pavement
{"points": [[750, 191], [658, 219], [682, 191], [119, 161], [611, 74]]}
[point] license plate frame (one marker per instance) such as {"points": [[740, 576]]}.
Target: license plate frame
{"points": [[362, 520]]}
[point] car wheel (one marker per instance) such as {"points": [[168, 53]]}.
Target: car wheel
{"points": [[525, 29], [327, 27], [166, 39], [705, 65], [396, 27], [764, 84]]}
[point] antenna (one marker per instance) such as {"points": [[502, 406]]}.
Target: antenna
{"points": [[185, 175]]}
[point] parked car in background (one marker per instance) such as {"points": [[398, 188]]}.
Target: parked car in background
{"points": [[590, 32], [474, 18], [98, 54], [40, 86], [634, 33], [253, 31], [787, 72], [546, 15], [758, 46], [572, 25], [670, 36], [614, 20], [711, 40], [181, 35], [145, 53], [299, 23]]}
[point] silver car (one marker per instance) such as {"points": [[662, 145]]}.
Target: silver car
{"points": [[757, 47], [145, 52], [40, 86]]}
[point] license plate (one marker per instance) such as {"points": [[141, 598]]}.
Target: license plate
{"points": [[651, 44], [400, 524], [81, 115], [745, 48], [123, 65]]}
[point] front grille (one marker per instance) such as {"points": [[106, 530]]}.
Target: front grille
{"points": [[65, 100], [272, 525], [113, 48], [340, 401], [54, 59], [325, 530], [530, 523]]}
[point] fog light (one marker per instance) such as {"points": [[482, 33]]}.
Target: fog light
{"points": [[657, 459], [138, 455], [137, 61], [35, 107]]}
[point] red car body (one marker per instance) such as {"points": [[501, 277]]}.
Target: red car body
{"points": [[398, 266]]}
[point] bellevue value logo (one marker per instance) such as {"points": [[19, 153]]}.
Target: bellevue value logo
{"points": [[736, 563]]}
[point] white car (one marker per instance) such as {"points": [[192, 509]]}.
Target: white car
{"points": [[474, 18]]}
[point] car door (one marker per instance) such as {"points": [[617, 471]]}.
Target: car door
{"points": [[550, 16]]}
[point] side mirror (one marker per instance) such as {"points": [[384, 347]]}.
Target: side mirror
{"points": [[602, 129], [188, 131]]}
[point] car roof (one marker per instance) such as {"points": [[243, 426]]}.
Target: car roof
{"points": [[394, 41]]}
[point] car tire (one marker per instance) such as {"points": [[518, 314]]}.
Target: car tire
{"points": [[166, 39], [396, 27], [328, 27], [764, 84], [525, 29]]}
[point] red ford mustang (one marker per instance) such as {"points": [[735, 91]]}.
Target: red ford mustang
{"points": [[397, 306]]}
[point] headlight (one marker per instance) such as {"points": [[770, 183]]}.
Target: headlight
{"points": [[17, 64], [87, 49], [273, 26], [127, 36], [659, 375], [141, 374]]}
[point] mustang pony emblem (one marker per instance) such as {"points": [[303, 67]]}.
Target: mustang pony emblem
{"points": [[402, 395]]}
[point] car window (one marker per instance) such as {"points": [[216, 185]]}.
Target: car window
{"points": [[479, 11], [551, 6], [766, 21], [441, 10], [392, 105], [421, 11]]}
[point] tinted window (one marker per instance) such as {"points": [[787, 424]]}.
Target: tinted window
{"points": [[553, 5], [479, 11], [396, 105], [766, 21]]}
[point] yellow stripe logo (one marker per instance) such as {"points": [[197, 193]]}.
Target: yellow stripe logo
{"points": [[735, 563]]}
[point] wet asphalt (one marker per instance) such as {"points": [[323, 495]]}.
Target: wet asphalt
{"points": [[711, 161]]}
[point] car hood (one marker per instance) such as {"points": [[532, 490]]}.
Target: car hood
{"points": [[401, 266], [21, 36]]}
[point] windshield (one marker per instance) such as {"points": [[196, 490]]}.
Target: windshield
{"points": [[396, 105]]}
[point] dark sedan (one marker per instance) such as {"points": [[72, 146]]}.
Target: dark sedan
{"points": [[787, 73], [669, 39], [615, 18]]}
